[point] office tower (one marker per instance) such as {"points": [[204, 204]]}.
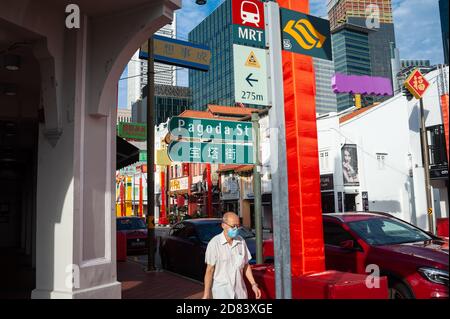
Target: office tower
{"points": [[443, 9], [135, 73], [169, 101], [217, 85], [351, 55], [325, 97], [375, 16]]}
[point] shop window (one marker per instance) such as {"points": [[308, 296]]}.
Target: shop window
{"points": [[324, 161], [381, 159]]}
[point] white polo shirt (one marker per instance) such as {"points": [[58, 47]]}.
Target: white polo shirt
{"points": [[229, 262]]}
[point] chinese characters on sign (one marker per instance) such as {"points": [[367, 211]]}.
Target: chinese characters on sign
{"points": [[179, 53], [417, 84], [135, 131], [197, 152]]}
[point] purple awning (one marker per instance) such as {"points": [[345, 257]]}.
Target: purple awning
{"points": [[365, 85]]}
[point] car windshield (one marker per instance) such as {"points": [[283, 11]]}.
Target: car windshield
{"points": [[385, 231], [206, 231], [130, 224]]}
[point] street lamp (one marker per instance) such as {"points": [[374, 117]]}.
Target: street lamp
{"points": [[200, 2]]}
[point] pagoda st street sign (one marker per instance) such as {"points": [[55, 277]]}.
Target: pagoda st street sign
{"points": [[210, 129], [214, 153], [250, 75], [417, 84]]}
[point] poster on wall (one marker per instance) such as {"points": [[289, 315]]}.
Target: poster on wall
{"points": [[350, 164]]}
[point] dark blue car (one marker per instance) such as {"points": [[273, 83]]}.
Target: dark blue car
{"points": [[183, 250]]}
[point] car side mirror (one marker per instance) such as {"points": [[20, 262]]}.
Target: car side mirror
{"points": [[347, 244]]}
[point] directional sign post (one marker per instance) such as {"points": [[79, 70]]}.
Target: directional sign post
{"points": [[214, 153], [250, 75]]}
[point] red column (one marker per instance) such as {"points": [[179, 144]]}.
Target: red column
{"points": [[209, 183], [305, 211], [122, 198], [444, 106], [162, 215], [141, 197]]}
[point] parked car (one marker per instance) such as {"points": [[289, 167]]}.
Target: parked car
{"points": [[135, 229], [414, 261], [183, 250]]}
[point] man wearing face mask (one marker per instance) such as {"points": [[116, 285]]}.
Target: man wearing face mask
{"points": [[226, 261]]}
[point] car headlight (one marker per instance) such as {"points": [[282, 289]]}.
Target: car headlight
{"points": [[435, 275]]}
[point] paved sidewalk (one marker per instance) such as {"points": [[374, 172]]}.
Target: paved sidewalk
{"points": [[138, 284]]}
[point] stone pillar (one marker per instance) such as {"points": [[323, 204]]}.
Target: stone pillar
{"points": [[76, 228]]}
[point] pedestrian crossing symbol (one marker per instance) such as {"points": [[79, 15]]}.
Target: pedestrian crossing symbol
{"points": [[252, 61]]}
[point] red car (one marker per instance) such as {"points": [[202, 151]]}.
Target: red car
{"points": [[414, 261], [135, 229]]}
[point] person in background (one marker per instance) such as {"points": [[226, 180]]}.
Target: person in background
{"points": [[226, 259]]}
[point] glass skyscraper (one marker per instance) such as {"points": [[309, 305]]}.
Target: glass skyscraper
{"points": [[351, 55], [217, 85], [443, 8], [325, 97], [380, 36]]}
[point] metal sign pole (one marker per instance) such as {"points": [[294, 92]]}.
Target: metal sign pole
{"points": [[426, 166], [150, 158], [280, 204]]}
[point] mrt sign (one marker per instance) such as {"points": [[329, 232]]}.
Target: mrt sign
{"points": [[248, 23], [417, 84]]}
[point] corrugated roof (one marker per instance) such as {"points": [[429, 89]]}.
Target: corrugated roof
{"points": [[196, 114], [349, 116], [231, 110]]}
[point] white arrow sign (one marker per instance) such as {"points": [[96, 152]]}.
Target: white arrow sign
{"points": [[250, 75]]}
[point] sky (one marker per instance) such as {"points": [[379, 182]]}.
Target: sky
{"points": [[417, 27]]}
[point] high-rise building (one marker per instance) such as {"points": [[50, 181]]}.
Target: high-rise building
{"points": [[375, 16], [415, 63], [351, 55], [325, 97], [217, 85], [169, 101], [135, 73], [443, 8]]}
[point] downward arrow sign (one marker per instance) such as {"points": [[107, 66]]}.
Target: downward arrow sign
{"points": [[250, 80]]}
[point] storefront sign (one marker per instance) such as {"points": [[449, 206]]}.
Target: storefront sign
{"points": [[135, 131], [326, 182], [179, 184]]}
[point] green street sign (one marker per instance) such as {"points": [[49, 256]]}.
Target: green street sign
{"points": [[196, 152], [249, 36], [208, 129], [305, 34], [135, 131]]}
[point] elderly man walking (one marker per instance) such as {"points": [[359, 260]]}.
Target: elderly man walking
{"points": [[226, 259]]}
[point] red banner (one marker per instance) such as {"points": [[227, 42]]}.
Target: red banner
{"points": [[305, 211], [444, 106]]}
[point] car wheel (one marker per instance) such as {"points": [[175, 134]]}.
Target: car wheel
{"points": [[399, 290]]}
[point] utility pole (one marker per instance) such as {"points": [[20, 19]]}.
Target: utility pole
{"points": [[280, 196], [426, 166], [257, 188], [151, 239]]}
